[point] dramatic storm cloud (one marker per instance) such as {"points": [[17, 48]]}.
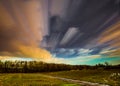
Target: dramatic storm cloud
{"points": [[22, 28], [60, 31]]}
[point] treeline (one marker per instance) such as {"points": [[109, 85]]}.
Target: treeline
{"points": [[35, 66]]}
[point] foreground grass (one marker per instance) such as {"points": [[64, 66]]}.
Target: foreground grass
{"points": [[97, 76], [30, 80], [43, 79]]}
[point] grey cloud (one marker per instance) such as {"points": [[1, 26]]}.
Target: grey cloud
{"points": [[89, 17]]}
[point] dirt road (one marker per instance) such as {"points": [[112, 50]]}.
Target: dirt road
{"points": [[84, 83]]}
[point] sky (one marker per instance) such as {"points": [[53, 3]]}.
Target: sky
{"points": [[60, 31]]}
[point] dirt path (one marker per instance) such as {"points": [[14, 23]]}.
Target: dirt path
{"points": [[85, 83]]}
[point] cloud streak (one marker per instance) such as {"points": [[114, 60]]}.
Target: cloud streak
{"points": [[67, 31], [22, 28]]}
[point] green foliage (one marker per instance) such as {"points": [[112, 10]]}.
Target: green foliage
{"points": [[38, 66], [30, 67]]}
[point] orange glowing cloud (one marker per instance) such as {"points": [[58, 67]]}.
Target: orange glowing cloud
{"points": [[111, 34], [27, 51], [115, 53], [34, 52], [21, 29]]}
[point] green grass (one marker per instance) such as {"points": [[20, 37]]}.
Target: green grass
{"points": [[41, 79], [30, 80], [99, 76]]}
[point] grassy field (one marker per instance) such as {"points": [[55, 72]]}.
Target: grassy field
{"points": [[30, 80], [110, 77]]}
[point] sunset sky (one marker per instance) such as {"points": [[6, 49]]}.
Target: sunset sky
{"points": [[60, 31]]}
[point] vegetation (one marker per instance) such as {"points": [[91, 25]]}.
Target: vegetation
{"points": [[24, 73], [30, 67], [30, 80], [110, 77], [35, 66]]}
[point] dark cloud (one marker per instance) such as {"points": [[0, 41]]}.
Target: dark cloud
{"points": [[56, 24], [89, 17], [7, 36]]}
